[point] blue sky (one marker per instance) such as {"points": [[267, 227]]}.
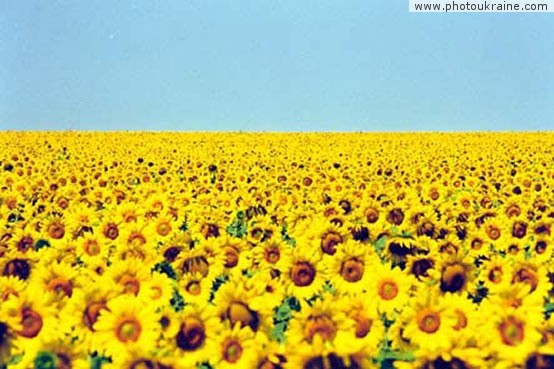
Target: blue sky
{"points": [[271, 65]]}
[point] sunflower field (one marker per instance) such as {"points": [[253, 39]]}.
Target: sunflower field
{"points": [[145, 250]]}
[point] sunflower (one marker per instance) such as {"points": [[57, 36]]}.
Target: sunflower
{"points": [[323, 323], [233, 302], [191, 336], [128, 275], [235, 348], [28, 316], [512, 335], [390, 287], [305, 275], [430, 323], [351, 267], [54, 352], [126, 323]]}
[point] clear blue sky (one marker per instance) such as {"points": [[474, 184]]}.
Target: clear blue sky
{"points": [[271, 65]]}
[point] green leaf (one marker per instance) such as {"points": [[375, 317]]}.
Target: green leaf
{"points": [[165, 268]]}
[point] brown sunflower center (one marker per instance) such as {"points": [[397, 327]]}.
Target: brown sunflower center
{"points": [[302, 274], [238, 312], [111, 231], [128, 329], [25, 243], [421, 266], [136, 239], [329, 241], [387, 289], [191, 335], [512, 331], [231, 256], [493, 232], [163, 228], [232, 350], [92, 312], [352, 270], [31, 323], [371, 215], [171, 253], [453, 278], [362, 324], [272, 255], [395, 216], [461, 319], [476, 244], [194, 288], [209, 230], [526, 275], [130, 284], [519, 229], [428, 321], [56, 230], [19, 268], [495, 274], [513, 211], [321, 325], [60, 285], [91, 247]]}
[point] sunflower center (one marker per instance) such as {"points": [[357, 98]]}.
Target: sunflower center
{"points": [[387, 289], [428, 321], [453, 278], [540, 247], [130, 284], [421, 266], [352, 270], [92, 312], [266, 364], [128, 329], [163, 228], [371, 215], [61, 285], [519, 229], [395, 216], [321, 325], [25, 244], [194, 288], [209, 230], [495, 275], [329, 241], [111, 231], [476, 244], [56, 230], [512, 331], [232, 350], [303, 274], [272, 255], [493, 232], [136, 239], [513, 211], [527, 275], [363, 324], [461, 320], [171, 253], [92, 247], [191, 335], [231, 256], [238, 312], [19, 268], [31, 323]]}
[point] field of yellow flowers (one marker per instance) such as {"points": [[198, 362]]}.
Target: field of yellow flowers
{"points": [[268, 251]]}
